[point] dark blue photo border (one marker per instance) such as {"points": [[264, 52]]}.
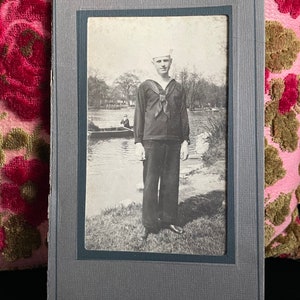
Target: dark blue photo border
{"points": [[81, 26]]}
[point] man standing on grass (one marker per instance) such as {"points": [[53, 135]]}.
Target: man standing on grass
{"points": [[161, 132]]}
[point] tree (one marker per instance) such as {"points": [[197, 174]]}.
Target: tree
{"points": [[127, 85], [97, 91], [201, 92], [190, 83]]}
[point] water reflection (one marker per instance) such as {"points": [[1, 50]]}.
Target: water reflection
{"points": [[124, 146]]}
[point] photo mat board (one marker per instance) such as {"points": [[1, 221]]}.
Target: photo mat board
{"points": [[76, 271], [108, 87]]}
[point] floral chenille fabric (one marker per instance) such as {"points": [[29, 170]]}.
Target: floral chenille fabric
{"points": [[282, 115], [25, 62]]}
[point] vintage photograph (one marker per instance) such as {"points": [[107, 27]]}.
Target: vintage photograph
{"points": [[157, 134]]}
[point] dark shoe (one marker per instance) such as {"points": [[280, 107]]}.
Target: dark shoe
{"points": [[176, 229], [148, 230]]}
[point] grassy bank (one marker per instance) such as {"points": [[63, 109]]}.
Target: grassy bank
{"points": [[216, 128], [202, 216]]}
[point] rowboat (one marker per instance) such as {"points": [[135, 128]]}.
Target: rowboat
{"points": [[111, 132]]}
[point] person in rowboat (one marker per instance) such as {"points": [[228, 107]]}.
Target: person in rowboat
{"points": [[125, 122], [161, 136]]}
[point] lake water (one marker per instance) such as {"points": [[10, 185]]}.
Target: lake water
{"points": [[114, 175]]}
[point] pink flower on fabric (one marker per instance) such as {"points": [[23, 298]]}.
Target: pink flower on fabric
{"points": [[27, 193], [283, 255], [25, 34], [2, 239], [290, 94], [289, 6], [267, 84]]}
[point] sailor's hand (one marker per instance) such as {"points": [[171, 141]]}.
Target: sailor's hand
{"points": [[184, 150], [140, 151]]}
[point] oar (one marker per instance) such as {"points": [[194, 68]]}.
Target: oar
{"points": [[129, 129]]}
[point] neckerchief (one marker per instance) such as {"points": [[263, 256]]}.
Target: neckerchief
{"points": [[162, 103]]}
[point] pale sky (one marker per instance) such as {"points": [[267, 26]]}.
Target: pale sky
{"points": [[124, 44]]}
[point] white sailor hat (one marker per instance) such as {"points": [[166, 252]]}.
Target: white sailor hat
{"points": [[159, 51]]}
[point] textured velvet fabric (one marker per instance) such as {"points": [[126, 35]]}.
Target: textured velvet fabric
{"points": [[282, 107], [25, 62]]}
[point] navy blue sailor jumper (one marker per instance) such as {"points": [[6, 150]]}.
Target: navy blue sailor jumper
{"points": [[161, 114]]}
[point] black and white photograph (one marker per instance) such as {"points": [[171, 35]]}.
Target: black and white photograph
{"points": [[157, 134]]}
